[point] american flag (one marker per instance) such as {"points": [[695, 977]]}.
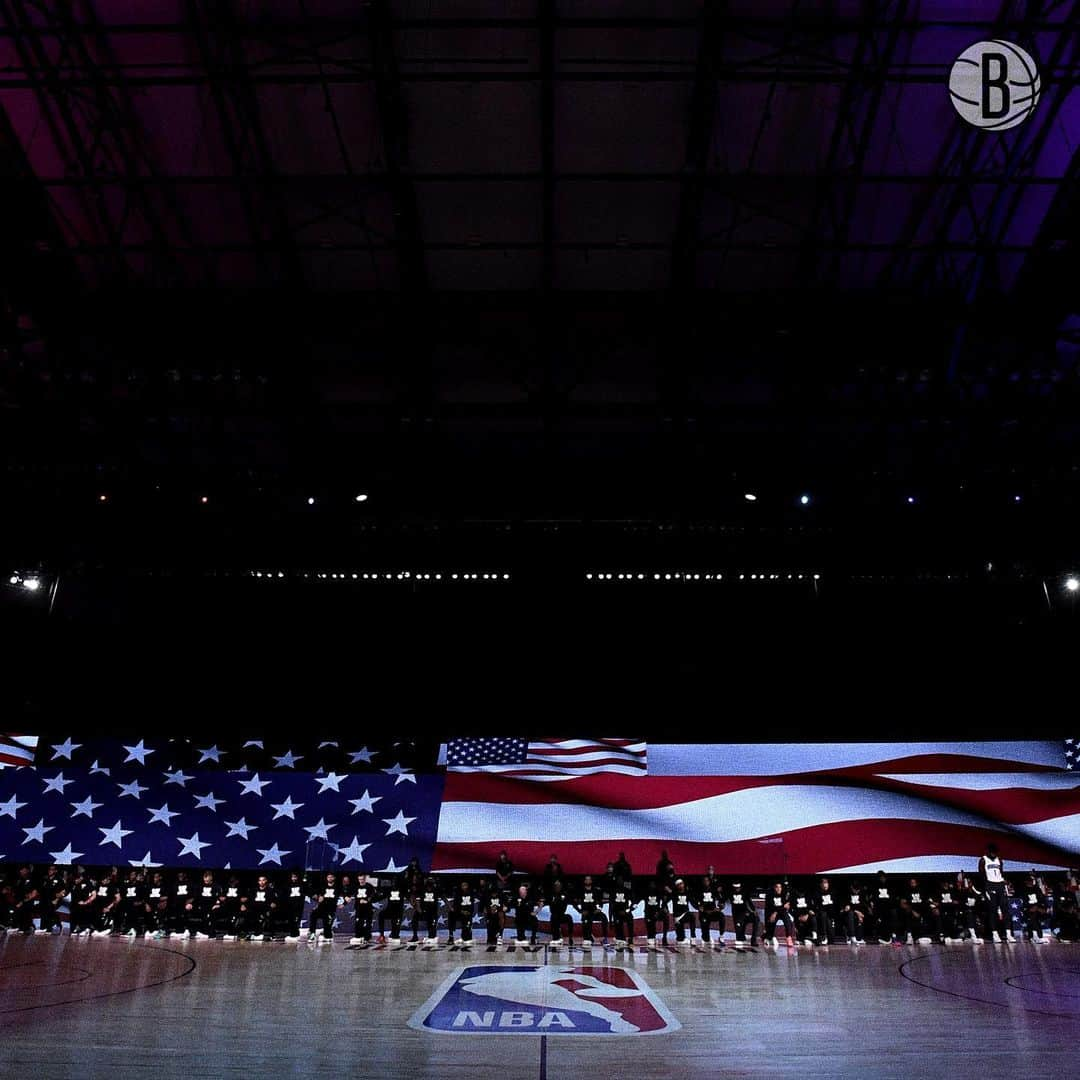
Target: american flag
{"points": [[136, 812], [1072, 754], [17, 749], [546, 758], [761, 809]]}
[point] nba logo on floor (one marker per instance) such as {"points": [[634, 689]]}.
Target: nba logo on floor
{"points": [[566, 999]]}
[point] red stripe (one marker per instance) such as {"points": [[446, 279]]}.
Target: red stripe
{"points": [[15, 759], [804, 851], [1013, 805]]}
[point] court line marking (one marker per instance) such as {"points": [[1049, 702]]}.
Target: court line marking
{"points": [[113, 993], [970, 997]]}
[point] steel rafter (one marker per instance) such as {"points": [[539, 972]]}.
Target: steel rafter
{"points": [[214, 27]]}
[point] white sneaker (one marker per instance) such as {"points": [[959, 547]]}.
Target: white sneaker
{"points": [[659, 941], [466, 944], [186, 935], [586, 944], [556, 942], [997, 938], [326, 941], [1010, 937], [619, 943], [294, 940], [774, 943], [1038, 939], [352, 941], [199, 935], [430, 943], [228, 937], [148, 934], [102, 933]]}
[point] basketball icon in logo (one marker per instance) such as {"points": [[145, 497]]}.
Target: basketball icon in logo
{"points": [[994, 85]]}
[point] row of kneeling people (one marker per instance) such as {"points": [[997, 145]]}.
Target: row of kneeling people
{"points": [[228, 905]]}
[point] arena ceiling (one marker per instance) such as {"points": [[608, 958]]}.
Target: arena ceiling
{"points": [[327, 145]]}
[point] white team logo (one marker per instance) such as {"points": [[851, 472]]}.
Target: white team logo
{"points": [[994, 85], [562, 999]]}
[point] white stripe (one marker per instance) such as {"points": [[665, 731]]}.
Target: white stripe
{"points": [[928, 864], [990, 781], [442, 754], [588, 744], [738, 759], [718, 819], [597, 755], [30, 741]]}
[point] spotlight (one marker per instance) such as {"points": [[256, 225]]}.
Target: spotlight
{"points": [[203, 499], [311, 501], [911, 500], [1072, 584], [1016, 498], [14, 579], [103, 498], [361, 498], [804, 500], [750, 497], [33, 584]]}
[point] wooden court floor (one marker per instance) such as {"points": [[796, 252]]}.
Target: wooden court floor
{"points": [[89, 1008]]}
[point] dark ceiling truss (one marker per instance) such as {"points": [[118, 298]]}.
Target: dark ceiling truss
{"points": [[94, 126], [856, 122], [408, 243], [965, 155], [1004, 160], [214, 29]]}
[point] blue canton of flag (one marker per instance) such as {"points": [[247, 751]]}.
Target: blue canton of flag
{"points": [[496, 750], [141, 815]]}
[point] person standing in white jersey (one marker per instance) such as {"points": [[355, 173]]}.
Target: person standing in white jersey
{"points": [[992, 872]]}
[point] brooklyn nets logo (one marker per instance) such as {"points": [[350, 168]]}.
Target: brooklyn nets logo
{"points": [[567, 999], [994, 85]]}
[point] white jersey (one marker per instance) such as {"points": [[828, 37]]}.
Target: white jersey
{"points": [[992, 870]]}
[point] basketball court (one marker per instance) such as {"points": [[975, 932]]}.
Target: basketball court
{"points": [[107, 1007]]}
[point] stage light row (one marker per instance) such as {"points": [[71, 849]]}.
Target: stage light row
{"points": [[396, 575], [684, 575]]}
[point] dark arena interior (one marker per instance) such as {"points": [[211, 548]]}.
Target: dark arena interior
{"points": [[396, 394]]}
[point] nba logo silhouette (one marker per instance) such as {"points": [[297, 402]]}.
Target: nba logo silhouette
{"points": [[564, 999], [994, 85]]}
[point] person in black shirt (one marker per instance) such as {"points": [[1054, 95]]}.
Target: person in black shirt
{"points": [[778, 910], [621, 911], [655, 911], [971, 899], [201, 911], [920, 913], [886, 916], [557, 903], [426, 911], [157, 906], [504, 870], [326, 895], [461, 914], [364, 897], [681, 914], [393, 910], [710, 905], [1033, 898], [292, 905], [856, 910], [132, 904], [83, 894], [949, 909], [805, 916], [1066, 921], [552, 872], [494, 908], [28, 903], [227, 921], [107, 903], [743, 912], [258, 908], [665, 872], [827, 913], [525, 914], [592, 898]]}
